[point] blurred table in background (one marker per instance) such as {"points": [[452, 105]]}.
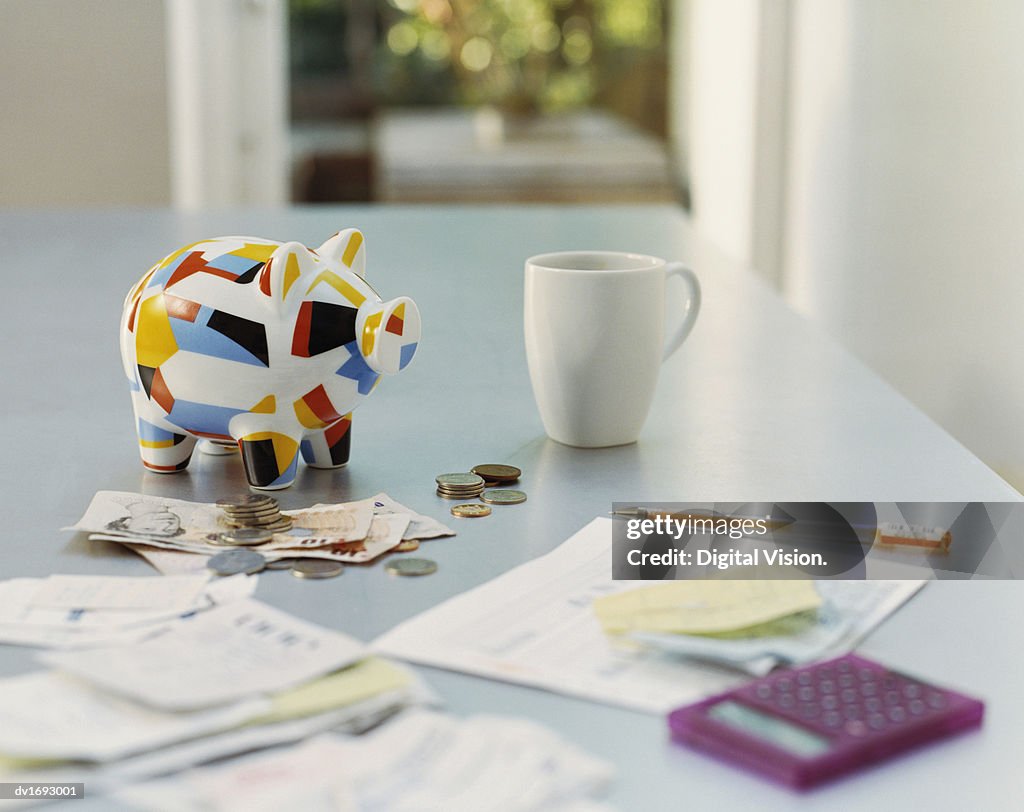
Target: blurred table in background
{"points": [[484, 155]]}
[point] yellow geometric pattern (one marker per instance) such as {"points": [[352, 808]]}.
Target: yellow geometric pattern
{"points": [[340, 285], [266, 406], [255, 251], [306, 416], [370, 332], [285, 448], [291, 273], [154, 341], [354, 242]]}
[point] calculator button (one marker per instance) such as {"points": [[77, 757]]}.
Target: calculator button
{"points": [[876, 721], [855, 728], [845, 680], [849, 695], [852, 711], [827, 686], [897, 715], [936, 700], [832, 719], [829, 702], [804, 678], [892, 698], [784, 684], [809, 710], [806, 694], [873, 704], [869, 689], [916, 707], [865, 674], [911, 691], [786, 701], [890, 682], [763, 691], [843, 667]]}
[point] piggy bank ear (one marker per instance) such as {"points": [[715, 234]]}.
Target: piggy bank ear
{"points": [[348, 248], [284, 268]]}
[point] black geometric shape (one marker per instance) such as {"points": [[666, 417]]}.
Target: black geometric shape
{"points": [[260, 462], [330, 326], [249, 275], [146, 375], [251, 335]]}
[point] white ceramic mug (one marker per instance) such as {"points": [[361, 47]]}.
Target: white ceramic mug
{"points": [[595, 340]]}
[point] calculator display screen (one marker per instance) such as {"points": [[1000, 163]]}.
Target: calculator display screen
{"points": [[771, 729]]}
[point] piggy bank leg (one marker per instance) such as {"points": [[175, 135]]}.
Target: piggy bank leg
{"points": [[270, 459], [329, 447], [216, 448], [163, 450]]}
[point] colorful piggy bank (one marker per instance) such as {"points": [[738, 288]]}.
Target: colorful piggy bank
{"points": [[239, 340]]}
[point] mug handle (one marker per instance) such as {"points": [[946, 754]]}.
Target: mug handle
{"points": [[692, 308]]}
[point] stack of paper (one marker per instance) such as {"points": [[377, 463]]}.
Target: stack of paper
{"points": [[834, 617], [536, 625], [75, 611], [419, 761], [212, 684]]}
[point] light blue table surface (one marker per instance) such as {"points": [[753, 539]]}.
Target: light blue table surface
{"points": [[758, 405]]}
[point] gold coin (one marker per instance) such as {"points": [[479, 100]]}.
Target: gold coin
{"points": [[497, 473], [474, 510], [407, 546]]}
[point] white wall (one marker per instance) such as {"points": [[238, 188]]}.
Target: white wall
{"points": [[84, 103], [900, 222], [905, 212]]}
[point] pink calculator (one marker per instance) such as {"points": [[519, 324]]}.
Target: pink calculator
{"points": [[806, 725]]}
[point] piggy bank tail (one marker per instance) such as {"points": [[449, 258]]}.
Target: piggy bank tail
{"points": [[388, 333]]}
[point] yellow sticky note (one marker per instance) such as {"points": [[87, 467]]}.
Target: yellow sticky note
{"points": [[363, 680], [703, 607]]}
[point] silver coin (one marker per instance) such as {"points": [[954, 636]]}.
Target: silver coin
{"points": [[316, 568], [503, 497], [246, 500], [470, 495], [282, 563], [459, 480], [246, 536], [411, 566], [270, 523], [273, 510], [232, 562]]}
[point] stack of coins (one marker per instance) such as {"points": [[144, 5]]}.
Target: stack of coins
{"points": [[254, 510], [459, 486]]}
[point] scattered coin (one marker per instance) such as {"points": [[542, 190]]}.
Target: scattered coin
{"points": [[246, 536], [503, 497], [407, 546], [411, 566], [471, 511], [495, 474], [282, 563], [232, 562], [316, 568]]}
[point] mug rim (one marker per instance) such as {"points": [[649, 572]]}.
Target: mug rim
{"points": [[640, 262]]}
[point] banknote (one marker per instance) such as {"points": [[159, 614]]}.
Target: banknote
{"points": [[176, 524]]}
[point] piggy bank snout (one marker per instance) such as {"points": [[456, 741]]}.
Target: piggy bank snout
{"points": [[388, 333]]}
